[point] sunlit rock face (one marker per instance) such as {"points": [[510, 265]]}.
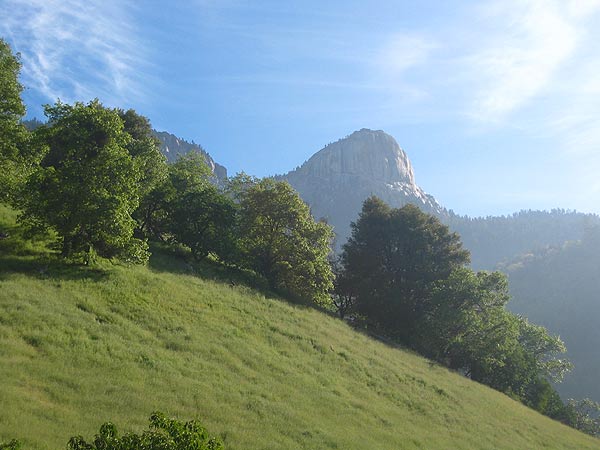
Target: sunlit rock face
{"points": [[336, 180]]}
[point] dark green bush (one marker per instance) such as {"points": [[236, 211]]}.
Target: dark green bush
{"points": [[12, 445], [164, 434]]}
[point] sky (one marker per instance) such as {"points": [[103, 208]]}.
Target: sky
{"points": [[496, 102]]}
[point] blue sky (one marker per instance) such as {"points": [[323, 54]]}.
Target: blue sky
{"points": [[497, 102]]}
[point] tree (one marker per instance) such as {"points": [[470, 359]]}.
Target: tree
{"points": [[393, 258], [88, 184], [204, 220], [466, 325], [144, 148], [585, 416], [164, 434], [13, 134], [280, 240], [344, 290], [468, 329], [189, 174]]}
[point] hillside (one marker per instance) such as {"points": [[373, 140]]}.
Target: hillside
{"points": [[496, 240], [560, 289], [80, 346]]}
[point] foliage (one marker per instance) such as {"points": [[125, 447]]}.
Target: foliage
{"points": [[189, 174], [586, 415], [187, 208], [343, 295], [405, 272], [204, 220], [177, 336], [88, 184], [144, 148], [393, 259], [11, 445], [559, 288], [471, 331], [495, 240], [164, 434], [13, 135], [466, 327], [280, 240]]}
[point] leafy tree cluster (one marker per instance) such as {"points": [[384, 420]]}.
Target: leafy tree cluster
{"points": [[280, 239], [261, 225], [163, 434], [405, 273], [95, 164], [95, 176], [13, 135]]}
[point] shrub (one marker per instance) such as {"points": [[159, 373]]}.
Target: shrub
{"points": [[164, 434]]}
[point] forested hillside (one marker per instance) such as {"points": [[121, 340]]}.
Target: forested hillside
{"points": [[560, 289], [80, 346], [495, 240]]}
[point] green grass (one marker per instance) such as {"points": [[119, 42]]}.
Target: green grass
{"points": [[81, 346]]}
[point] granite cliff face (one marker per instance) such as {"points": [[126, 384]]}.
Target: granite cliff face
{"points": [[336, 180], [173, 147]]}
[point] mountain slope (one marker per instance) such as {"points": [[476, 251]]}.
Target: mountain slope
{"points": [[80, 346], [501, 239], [172, 147], [560, 289]]}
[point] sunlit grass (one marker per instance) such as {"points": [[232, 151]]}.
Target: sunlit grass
{"points": [[80, 346]]}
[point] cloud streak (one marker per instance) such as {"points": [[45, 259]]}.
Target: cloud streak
{"points": [[533, 39], [76, 50]]}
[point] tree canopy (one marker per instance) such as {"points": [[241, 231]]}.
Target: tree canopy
{"points": [[12, 132], [163, 434], [199, 216], [279, 238], [406, 274], [88, 183], [392, 259]]}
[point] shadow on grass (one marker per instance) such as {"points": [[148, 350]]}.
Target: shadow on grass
{"points": [[35, 259], [48, 267], [178, 260]]}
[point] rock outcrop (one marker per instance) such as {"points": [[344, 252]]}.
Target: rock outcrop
{"points": [[336, 180], [173, 147]]}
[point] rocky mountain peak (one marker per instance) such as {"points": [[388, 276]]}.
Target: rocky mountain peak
{"points": [[374, 155], [337, 179], [173, 147]]}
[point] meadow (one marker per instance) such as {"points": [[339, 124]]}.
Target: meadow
{"points": [[83, 345]]}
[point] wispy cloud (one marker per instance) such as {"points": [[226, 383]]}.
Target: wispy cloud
{"points": [[76, 50], [404, 51], [528, 44]]}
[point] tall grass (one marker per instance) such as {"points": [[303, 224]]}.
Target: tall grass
{"points": [[80, 346]]}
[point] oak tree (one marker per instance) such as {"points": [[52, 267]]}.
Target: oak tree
{"points": [[281, 240], [12, 132], [88, 183]]}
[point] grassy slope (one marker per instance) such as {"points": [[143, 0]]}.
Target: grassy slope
{"points": [[78, 347]]}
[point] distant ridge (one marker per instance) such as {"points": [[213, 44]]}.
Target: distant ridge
{"points": [[170, 145], [173, 147]]}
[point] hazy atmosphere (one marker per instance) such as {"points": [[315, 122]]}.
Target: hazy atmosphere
{"points": [[284, 225], [495, 102]]}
